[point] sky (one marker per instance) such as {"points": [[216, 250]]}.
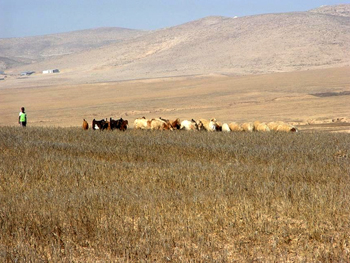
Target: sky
{"points": [[21, 18]]}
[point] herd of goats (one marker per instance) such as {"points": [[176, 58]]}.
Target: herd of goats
{"points": [[189, 125]]}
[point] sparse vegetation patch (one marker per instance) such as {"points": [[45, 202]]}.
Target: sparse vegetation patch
{"points": [[69, 195], [331, 94]]}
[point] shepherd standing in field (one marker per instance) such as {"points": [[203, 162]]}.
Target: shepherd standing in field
{"points": [[22, 118]]}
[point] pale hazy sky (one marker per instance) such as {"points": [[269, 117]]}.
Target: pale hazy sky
{"points": [[19, 18]]}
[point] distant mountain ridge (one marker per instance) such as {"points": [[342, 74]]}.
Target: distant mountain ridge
{"points": [[336, 10], [29, 50], [221, 45]]}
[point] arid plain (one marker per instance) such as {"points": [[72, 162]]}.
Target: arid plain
{"points": [[303, 98], [290, 67]]}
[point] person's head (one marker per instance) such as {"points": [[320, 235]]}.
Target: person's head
{"points": [[22, 109]]}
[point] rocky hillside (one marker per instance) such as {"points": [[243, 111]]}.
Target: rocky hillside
{"points": [[338, 10], [245, 45]]}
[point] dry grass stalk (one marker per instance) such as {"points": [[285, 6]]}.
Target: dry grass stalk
{"points": [[81, 196]]}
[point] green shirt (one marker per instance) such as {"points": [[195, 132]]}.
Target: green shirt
{"points": [[23, 117]]}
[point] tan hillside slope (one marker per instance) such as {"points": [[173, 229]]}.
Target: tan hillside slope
{"points": [[258, 44], [338, 10], [245, 45], [27, 50]]}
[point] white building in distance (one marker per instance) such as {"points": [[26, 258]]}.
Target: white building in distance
{"points": [[48, 71]]}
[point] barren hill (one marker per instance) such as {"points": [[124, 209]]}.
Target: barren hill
{"points": [[307, 56], [28, 50], [338, 10], [284, 42]]}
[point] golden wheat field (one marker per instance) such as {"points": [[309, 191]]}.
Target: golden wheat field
{"points": [[69, 195]]}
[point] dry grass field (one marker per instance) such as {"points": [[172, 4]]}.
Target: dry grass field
{"points": [[69, 195]]}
